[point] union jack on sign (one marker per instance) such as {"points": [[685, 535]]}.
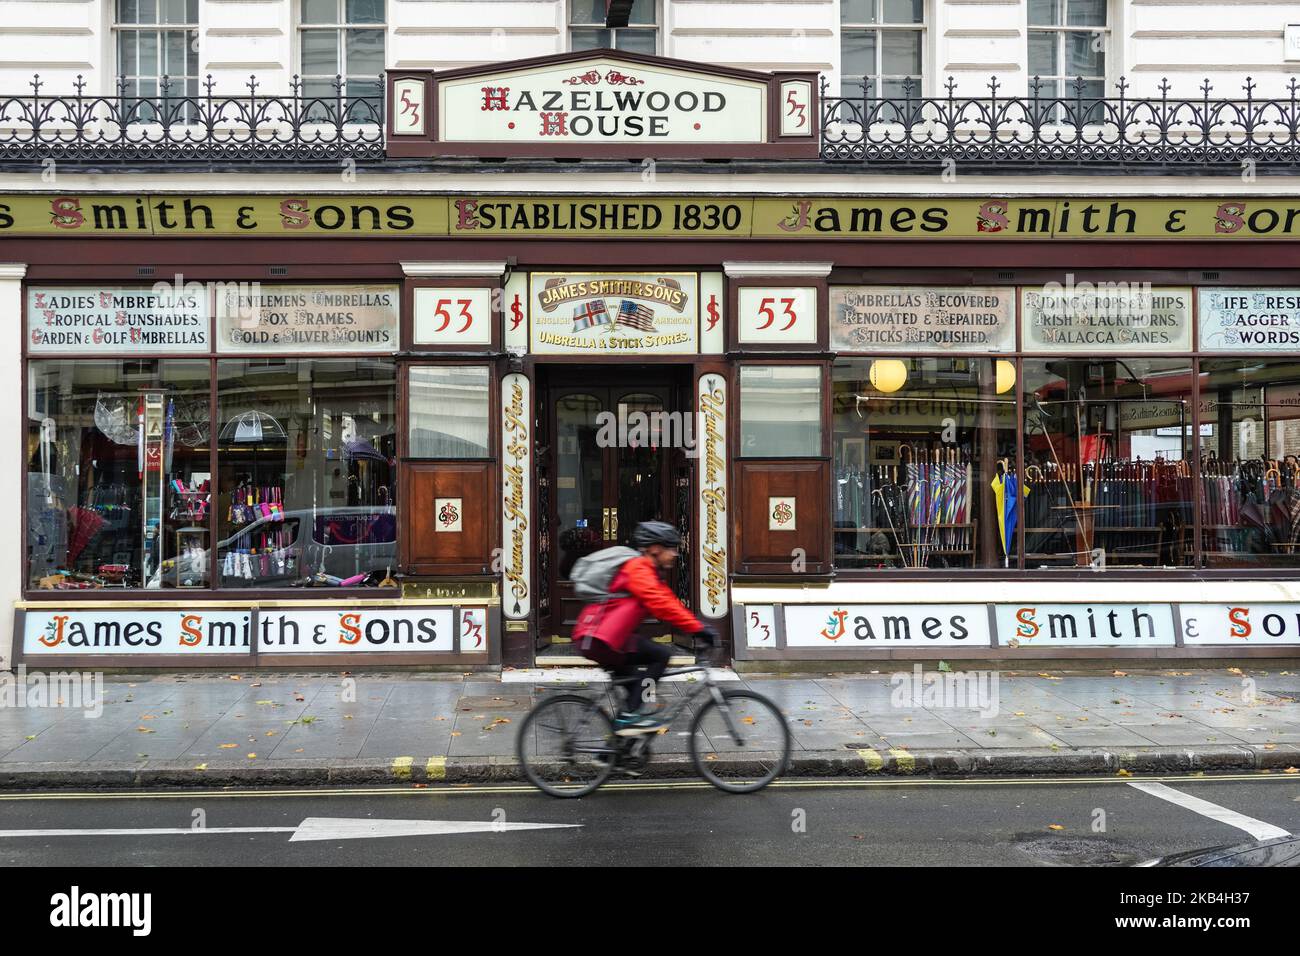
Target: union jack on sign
{"points": [[590, 314]]}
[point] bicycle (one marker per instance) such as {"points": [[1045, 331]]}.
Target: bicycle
{"points": [[567, 746]]}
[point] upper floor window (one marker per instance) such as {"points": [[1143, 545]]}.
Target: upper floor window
{"points": [[880, 44], [1067, 42], [587, 30], [156, 39], [344, 38]]}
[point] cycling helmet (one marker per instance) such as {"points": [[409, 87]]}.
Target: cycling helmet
{"points": [[655, 532]]}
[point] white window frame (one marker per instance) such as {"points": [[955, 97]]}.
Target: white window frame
{"points": [[1067, 82], [657, 28], [178, 85], [878, 86], [341, 48]]}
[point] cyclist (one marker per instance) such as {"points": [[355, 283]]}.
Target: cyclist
{"points": [[606, 630]]}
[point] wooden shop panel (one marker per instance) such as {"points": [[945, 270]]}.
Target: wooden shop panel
{"points": [[448, 514], [762, 548]]}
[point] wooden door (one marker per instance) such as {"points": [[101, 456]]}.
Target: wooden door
{"points": [[609, 472]]}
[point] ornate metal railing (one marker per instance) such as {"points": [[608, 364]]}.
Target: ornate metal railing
{"points": [[197, 129], [1066, 131], [1044, 130]]}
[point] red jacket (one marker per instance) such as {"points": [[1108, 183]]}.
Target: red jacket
{"points": [[615, 622]]}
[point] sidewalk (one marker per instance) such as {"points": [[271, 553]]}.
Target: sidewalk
{"points": [[300, 730]]}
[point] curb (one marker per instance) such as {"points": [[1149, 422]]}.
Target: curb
{"points": [[433, 771]]}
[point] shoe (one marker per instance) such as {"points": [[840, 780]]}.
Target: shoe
{"points": [[628, 725]]}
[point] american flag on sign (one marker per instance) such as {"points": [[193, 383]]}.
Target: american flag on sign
{"points": [[590, 314], [636, 316]]}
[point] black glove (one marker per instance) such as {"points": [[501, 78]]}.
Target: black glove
{"points": [[708, 635]]}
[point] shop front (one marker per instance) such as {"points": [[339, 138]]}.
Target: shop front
{"points": [[308, 472], [379, 425]]}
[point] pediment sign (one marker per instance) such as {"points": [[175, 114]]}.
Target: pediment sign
{"points": [[603, 104]]}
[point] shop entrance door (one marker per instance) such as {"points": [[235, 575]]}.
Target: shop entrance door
{"points": [[613, 464]]}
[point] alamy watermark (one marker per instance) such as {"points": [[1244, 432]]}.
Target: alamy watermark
{"points": [[81, 690], [936, 690], [635, 428]]}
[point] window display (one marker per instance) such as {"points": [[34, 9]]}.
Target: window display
{"points": [[306, 455], [1250, 462], [925, 453], [118, 480], [1108, 446]]}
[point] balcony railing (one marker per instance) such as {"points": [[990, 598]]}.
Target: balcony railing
{"points": [[903, 131], [1059, 133], [207, 128]]}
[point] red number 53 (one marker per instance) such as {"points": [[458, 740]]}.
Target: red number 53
{"points": [[765, 308]]}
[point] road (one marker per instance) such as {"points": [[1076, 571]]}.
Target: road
{"points": [[834, 822]]}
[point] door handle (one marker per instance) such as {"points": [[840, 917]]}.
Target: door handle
{"points": [[613, 520], [604, 523]]}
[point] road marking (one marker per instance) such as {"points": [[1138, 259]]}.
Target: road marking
{"points": [[523, 788], [872, 759], [402, 767], [1256, 828], [317, 828], [436, 769], [342, 828], [143, 831]]}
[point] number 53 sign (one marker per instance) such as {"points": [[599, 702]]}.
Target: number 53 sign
{"points": [[448, 316], [777, 315]]}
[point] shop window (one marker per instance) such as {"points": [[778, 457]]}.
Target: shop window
{"points": [[118, 480], [306, 473], [587, 30], [1250, 462], [780, 411], [1109, 448], [881, 46], [925, 452], [343, 39], [448, 409], [157, 39], [1067, 45]]}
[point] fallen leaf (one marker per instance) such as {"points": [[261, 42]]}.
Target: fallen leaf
{"points": [[201, 766], [1234, 670], [299, 750], [227, 746], [347, 716], [1120, 674], [1292, 770], [711, 757], [235, 677], [31, 736], [420, 786], [1122, 773], [1019, 713], [1055, 826], [270, 733], [455, 733], [252, 756], [1270, 746], [145, 730], [750, 720]]}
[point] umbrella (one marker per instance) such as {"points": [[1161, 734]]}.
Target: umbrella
{"points": [[358, 450], [85, 525], [252, 426]]}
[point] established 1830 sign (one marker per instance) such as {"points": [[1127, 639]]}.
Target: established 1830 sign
{"points": [[602, 103]]}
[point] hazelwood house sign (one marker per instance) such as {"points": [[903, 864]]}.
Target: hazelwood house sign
{"points": [[601, 103]]}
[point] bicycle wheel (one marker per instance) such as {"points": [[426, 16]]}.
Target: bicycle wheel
{"points": [[743, 745], [566, 746]]}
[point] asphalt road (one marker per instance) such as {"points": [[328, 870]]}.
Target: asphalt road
{"points": [[855, 823]]}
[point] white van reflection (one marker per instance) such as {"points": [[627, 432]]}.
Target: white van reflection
{"points": [[325, 547]]}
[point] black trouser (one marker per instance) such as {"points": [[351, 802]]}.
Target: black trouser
{"points": [[648, 655]]}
